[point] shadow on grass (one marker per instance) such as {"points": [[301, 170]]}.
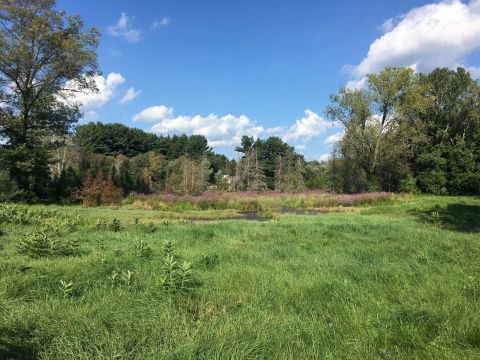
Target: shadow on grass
{"points": [[11, 349], [457, 217]]}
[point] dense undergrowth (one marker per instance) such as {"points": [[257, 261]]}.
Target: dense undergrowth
{"points": [[256, 201], [398, 280]]}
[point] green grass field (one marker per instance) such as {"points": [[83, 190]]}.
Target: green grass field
{"points": [[392, 281]]}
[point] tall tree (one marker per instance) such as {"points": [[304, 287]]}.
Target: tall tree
{"points": [[43, 54]]}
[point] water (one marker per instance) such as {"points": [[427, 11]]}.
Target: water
{"points": [[261, 217]]}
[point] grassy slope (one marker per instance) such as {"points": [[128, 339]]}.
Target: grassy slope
{"points": [[384, 282]]}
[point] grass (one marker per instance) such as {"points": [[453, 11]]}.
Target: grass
{"points": [[399, 280]]}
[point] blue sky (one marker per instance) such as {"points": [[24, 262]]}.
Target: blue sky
{"points": [[224, 68]]}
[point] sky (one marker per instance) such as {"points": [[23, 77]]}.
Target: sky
{"points": [[227, 68]]}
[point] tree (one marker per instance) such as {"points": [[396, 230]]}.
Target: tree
{"points": [[289, 173], [44, 56], [376, 149], [448, 137], [98, 190], [251, 176], [188, 176]]}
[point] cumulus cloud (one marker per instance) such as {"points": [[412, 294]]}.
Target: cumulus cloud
{"points": [[123, 28], [130, 95], [219, 130], [227, 130], [324, 157], [310, 126], [154, 113], [435, 35], [157, 24], [91, 101], [332, 139]]}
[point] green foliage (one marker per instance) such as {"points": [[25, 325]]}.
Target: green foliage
{"points": [[408, 184], [142, 250], [8, 190], [45, 242], [32, 87], [67, 288], [115, 225], [178, 277], [282, 289], [310, 271], [407, 125]]}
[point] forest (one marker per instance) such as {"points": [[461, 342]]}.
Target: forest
{"points": [[404, 132]]}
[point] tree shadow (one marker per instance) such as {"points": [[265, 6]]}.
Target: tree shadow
{"points": [[14, 350], [456, 217]]}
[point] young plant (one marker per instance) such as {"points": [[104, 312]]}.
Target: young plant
{"points": [[185, 279], [142, 250], [177, 277], [36, 245], [115, 225], [66, 288], [127, 277], [114, 277]]}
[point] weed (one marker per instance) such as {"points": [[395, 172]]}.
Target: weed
{"points": [[36, 245], [142, 250], [210, 261], [101, 224], [177, 277], [66, 288], [115, 225], [127, 277], [114, 277], [43, 243], [118, 277]]}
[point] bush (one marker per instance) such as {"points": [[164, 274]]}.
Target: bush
{"points": [[98, 190], [42, 244], [408, 184]]}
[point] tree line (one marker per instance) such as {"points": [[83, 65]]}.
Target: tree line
{"points": [[403, 132], [408, 132]]}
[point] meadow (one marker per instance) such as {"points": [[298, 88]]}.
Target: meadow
{"points": [[386, 278]]}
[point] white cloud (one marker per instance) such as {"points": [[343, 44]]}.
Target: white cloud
{"points": [[154, 113], [324, 157], [130, 95], [388, 25], [227, 130], [310, 126], [435, 35], [157, 24], [90, 101], [124, 28], [224, 130], [300, 147], [277, 130], [475, 71], [332, 139]]}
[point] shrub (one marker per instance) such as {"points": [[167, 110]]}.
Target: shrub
{"points": [[42, 243], [98, 190]]}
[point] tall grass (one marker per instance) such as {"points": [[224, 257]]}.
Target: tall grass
{"points": [[385, 282], [253, 201]]}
